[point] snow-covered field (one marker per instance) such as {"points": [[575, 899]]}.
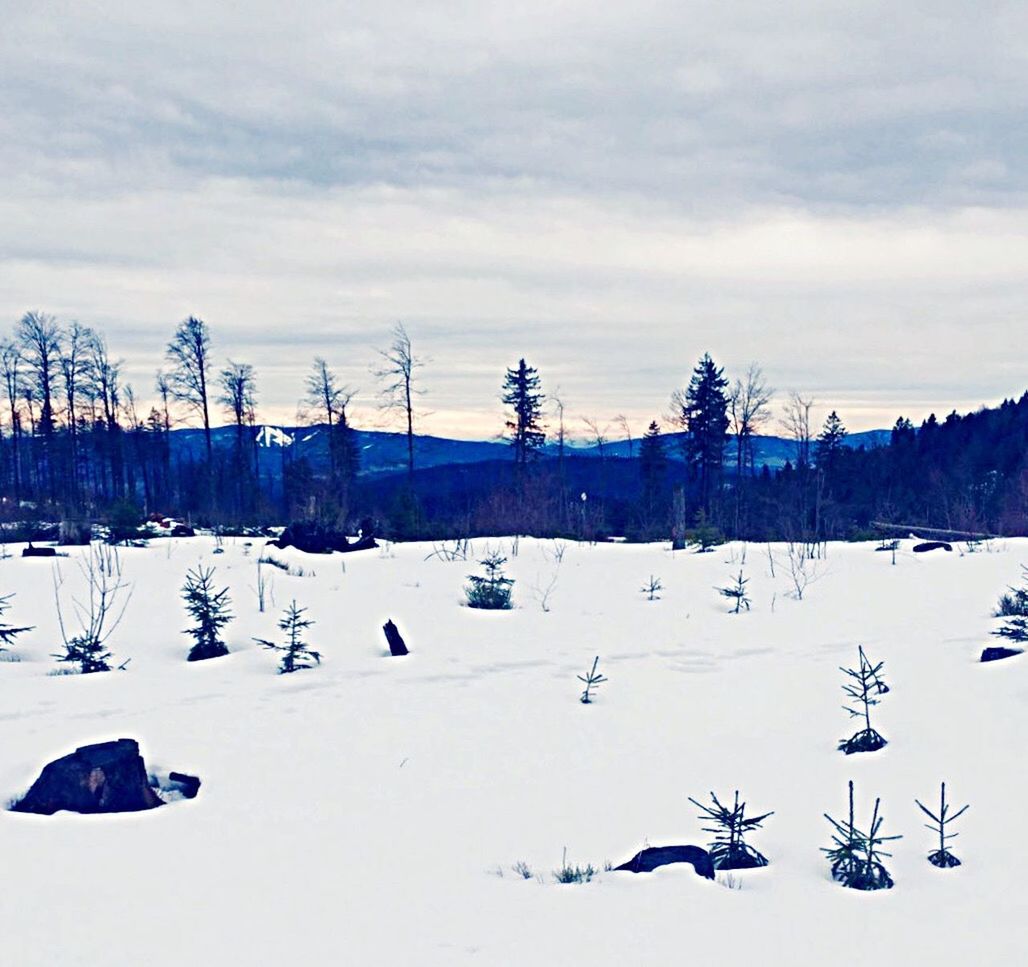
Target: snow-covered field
{"points": [[369, 811]]}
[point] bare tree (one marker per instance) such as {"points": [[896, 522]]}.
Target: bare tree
{"points": [[622, 421], [796, 422], [748, 407], [74, 363], [238, 394], [189, 355], [39, 338], [396, 373], [329, 400], [10, 363]]}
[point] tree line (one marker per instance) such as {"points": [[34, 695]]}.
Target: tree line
{"points": [[76, 444]]}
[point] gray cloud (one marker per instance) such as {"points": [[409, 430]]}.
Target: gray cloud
{"points": [[832, 189]]}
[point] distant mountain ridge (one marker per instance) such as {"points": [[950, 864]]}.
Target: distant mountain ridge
{"points": [[383, 452]]}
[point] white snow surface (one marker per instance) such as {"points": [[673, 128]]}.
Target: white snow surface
{"points": [[361, 812], [273, 436]]}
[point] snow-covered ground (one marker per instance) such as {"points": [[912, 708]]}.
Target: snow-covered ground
{"points": [[369, 811]]}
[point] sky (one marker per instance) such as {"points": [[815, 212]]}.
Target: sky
{"points": [[835, 190]]}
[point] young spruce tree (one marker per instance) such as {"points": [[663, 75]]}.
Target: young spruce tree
{"points": [[730, 825], [863, 688], [296, 654], [209, 609], [8, 633]]}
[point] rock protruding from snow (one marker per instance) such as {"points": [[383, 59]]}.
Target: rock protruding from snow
{"points": [[109, 777], [647, 860], [31, 551], [932, 546], [188, 786], [315, 539], [997, 652], [397, 646]]}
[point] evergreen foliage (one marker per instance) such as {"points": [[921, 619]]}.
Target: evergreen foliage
{"points": [[653, 467], [521, 393], [864, 687], [209, 609], [942, 857], [592, 680], [829, 442], [652, 589], [296, 654], [856, 857], [8, 633], [703, 412], [1013, 606], [493, 591], [729, 826], [736, 592]]}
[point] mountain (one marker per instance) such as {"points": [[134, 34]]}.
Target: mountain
{"points": [[386, 453]]}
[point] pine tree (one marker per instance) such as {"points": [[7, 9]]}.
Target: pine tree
{"points": [[856, 856], [729, 851], [864, 687], [736, 592], [8, 633], [1013, 608], [942, 857], [829, 442], [652, 472], [521, 392], [592, 679], [209, 609], [296, 655], [703, 412], [492, 592]]}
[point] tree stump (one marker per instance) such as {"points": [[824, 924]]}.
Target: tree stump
{"points": [[188, 785], [649, 859], [997, 652], [109, 777], [397, 646], [932, 546]]}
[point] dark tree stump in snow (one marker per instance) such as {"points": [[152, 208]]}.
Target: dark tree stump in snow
{"points": [[932, 546], [866, 740], [997, 652], [649, 859], [31, 551], [314, 539], [397, 646], [109, 777], [189, 786]]}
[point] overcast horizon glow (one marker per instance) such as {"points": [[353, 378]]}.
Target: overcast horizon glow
{"points": [[836, 191]]}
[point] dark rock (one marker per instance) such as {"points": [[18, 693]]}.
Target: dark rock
{"points": [[314, 539], [397, 646], [649, 859], [31, 551], [188, 785], [997, 652], [183, 530], [108, 777], [932, 546]]}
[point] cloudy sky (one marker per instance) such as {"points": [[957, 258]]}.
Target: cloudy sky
{"points": [[835, 190]]}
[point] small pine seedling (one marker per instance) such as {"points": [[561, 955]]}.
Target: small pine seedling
{"points": [[736, 591], [296, 654], [1013, 606], [730, 825], [492, 592], [856, 857], [942, 857], [592, 680], [865, 685], [209, 609], [8, 633], [653, 589]]}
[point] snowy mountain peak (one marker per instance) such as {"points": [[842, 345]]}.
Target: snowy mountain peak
{"points": [[273, 436]]}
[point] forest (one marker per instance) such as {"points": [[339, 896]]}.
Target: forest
{"points": [[77, 447]]}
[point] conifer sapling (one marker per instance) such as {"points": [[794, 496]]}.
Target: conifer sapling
{"points": [[942, 857], [864, 687], [856, 856], [492, 592], [653, 589], [296, 654], [209, 609], [8, 633], [730, 825], [592, 680], [736, 592]]}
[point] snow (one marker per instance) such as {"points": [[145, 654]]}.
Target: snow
{"points": [[358, 813], [273, 436]]}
